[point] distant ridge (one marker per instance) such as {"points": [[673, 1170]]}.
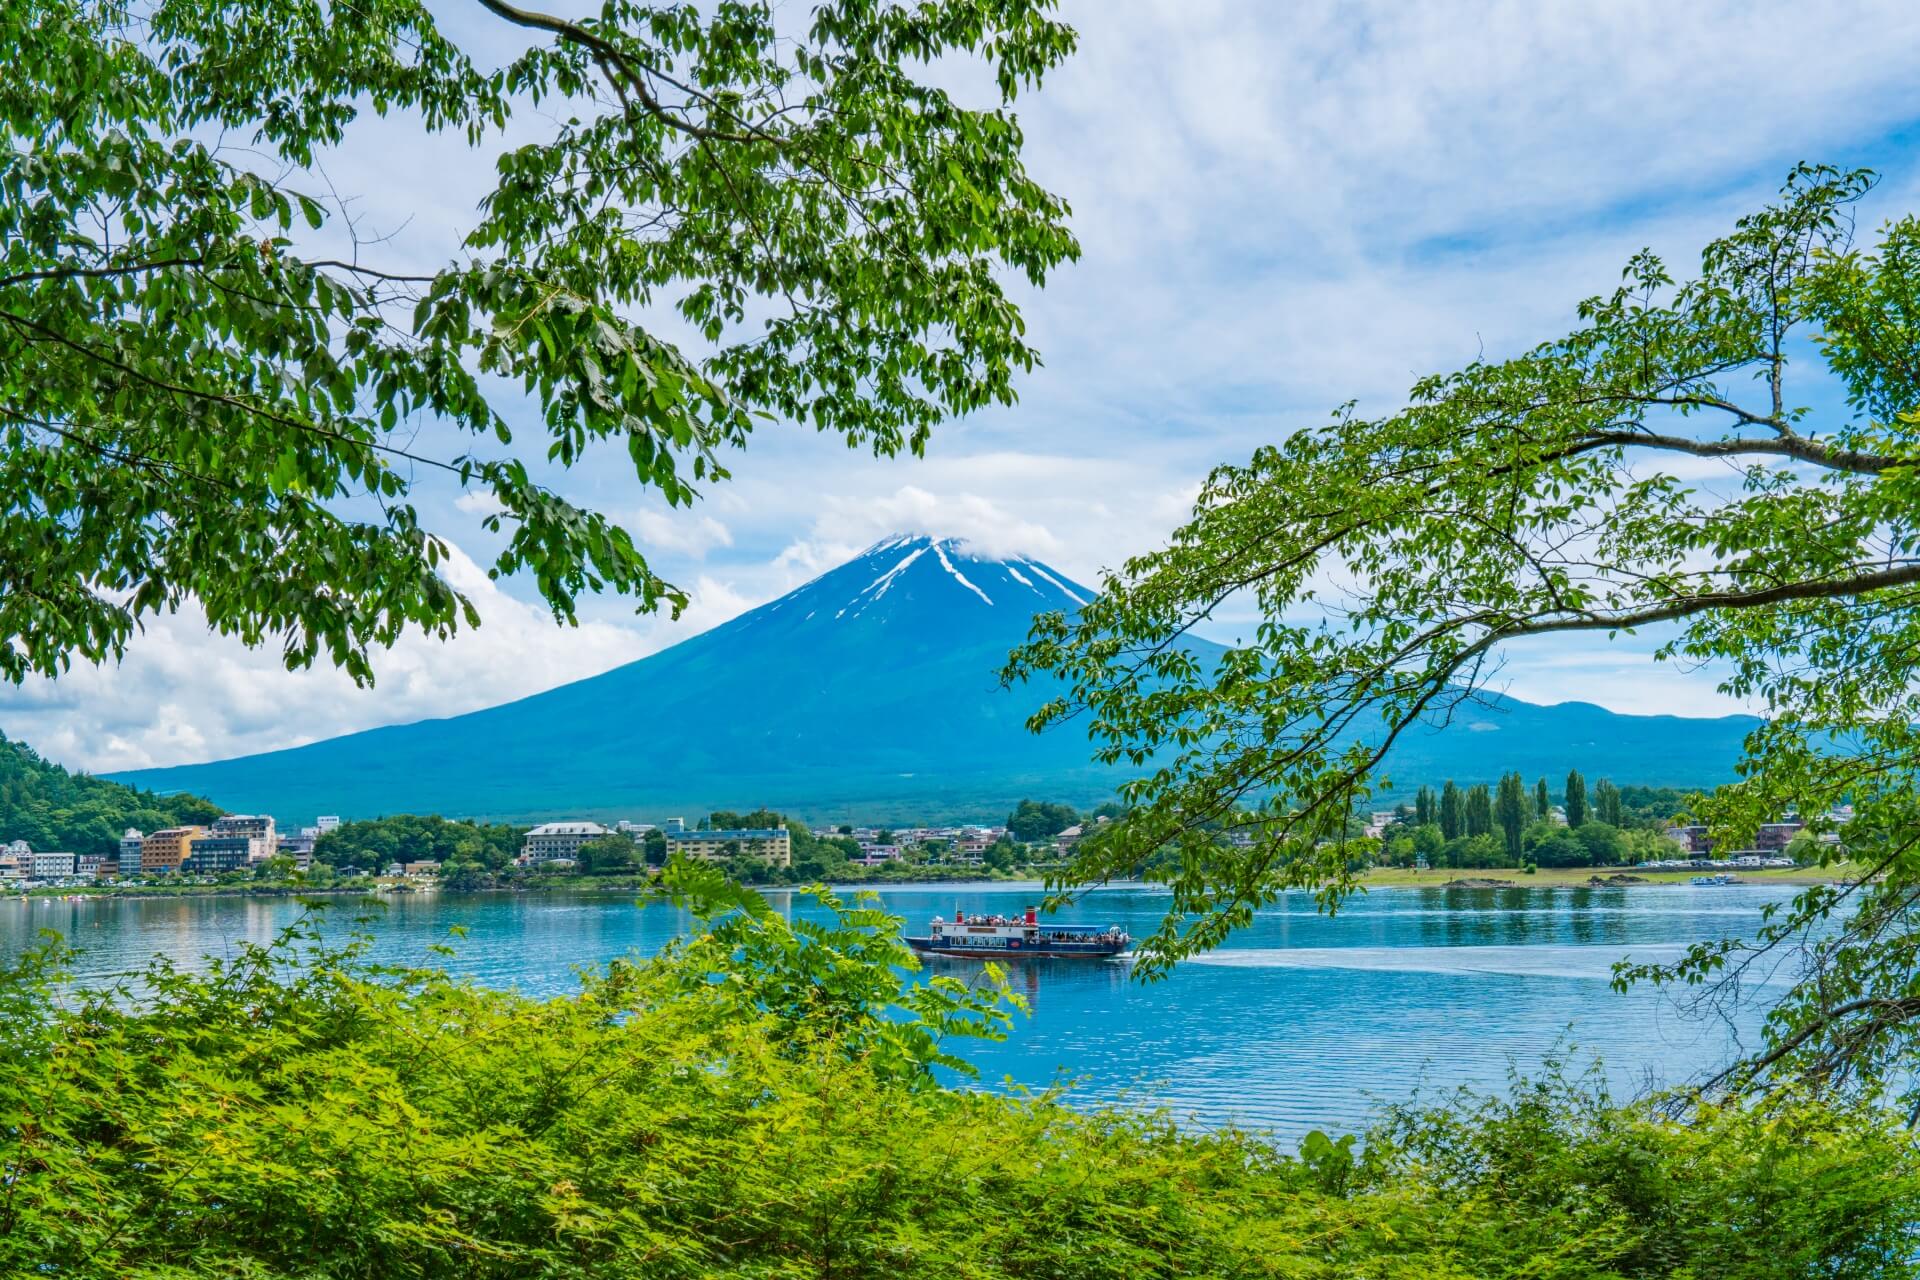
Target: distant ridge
{"points": [[869, 692]]}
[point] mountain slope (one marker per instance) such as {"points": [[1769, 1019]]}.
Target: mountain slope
{"points": [[868, 692]]}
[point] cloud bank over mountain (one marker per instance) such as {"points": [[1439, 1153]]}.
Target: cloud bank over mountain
{"points": [[1285, 209]]}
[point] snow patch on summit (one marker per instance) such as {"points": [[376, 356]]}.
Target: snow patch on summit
{"points": [[885, 580], [1064, 589], [947, 564]]}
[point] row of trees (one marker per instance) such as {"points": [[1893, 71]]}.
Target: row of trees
{"points": [[1511, 807]]}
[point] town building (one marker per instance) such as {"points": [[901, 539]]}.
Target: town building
{"points": [[13, 866], [162, 852], [130, 851], [211, 854], [94, 865], [1694, 839], [256, 829], [559, 840], [299, 847], [325, 823], [769, 844], [54, 866]]}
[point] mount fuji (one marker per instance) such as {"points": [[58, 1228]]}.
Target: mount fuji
{"points": [[870, 692]]}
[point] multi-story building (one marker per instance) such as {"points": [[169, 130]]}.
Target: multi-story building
{"points": [[13, 866], [94, 865], [257, 829], [299, 847], [770, 844], [130, 851], [325, 823], [559, 840], [54, 866], [162, 852], [1694, 840], [212, 854]]}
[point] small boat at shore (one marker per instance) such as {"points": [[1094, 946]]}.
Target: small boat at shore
{"points": [[1709, 881], [999, 938]]}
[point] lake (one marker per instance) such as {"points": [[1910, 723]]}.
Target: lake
{"points": [[1304, 1021]]}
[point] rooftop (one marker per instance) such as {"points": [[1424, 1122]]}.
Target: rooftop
{"points": [[568, 829]]}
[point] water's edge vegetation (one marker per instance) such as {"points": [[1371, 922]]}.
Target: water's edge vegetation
{"points": [[760, 1100]]}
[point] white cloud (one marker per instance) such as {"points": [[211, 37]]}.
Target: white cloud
{"points": [[479, 502], [710, 603], [677, 531], [185, 694], [847, 524]]}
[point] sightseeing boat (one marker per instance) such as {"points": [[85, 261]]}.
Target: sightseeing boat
{"points": [[998, 937]]}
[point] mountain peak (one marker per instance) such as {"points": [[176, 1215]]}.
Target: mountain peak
{"points": [[917, 572]]}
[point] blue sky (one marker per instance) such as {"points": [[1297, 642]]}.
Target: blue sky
{"points": [[1282, 208]]}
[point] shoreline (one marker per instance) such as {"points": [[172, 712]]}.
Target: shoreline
{"points": [[1463, 880]]}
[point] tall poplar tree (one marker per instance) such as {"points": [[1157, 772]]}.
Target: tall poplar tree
{"points": [[1479, 809], [1606, 803], [1424, 806], [1576, 799], [1542, 801], [1453, 820], [1510, 809]]}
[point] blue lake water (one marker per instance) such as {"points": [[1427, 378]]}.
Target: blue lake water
{"points": [[1304, 1021]]}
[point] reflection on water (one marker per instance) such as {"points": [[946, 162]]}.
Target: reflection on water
{"points": [[1300, 1023]]}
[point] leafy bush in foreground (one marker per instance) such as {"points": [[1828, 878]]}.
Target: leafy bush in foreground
{"points": [[760, 1102]]}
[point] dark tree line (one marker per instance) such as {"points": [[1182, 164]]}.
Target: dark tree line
{"points": [[50, 808]]}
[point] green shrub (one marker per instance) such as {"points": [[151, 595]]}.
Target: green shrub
{"points": [[761, 1101]]}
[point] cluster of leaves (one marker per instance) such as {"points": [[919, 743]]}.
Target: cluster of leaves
{"points": [[50, 808], [214, 385], [1527, 497], [762, 1100]]}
